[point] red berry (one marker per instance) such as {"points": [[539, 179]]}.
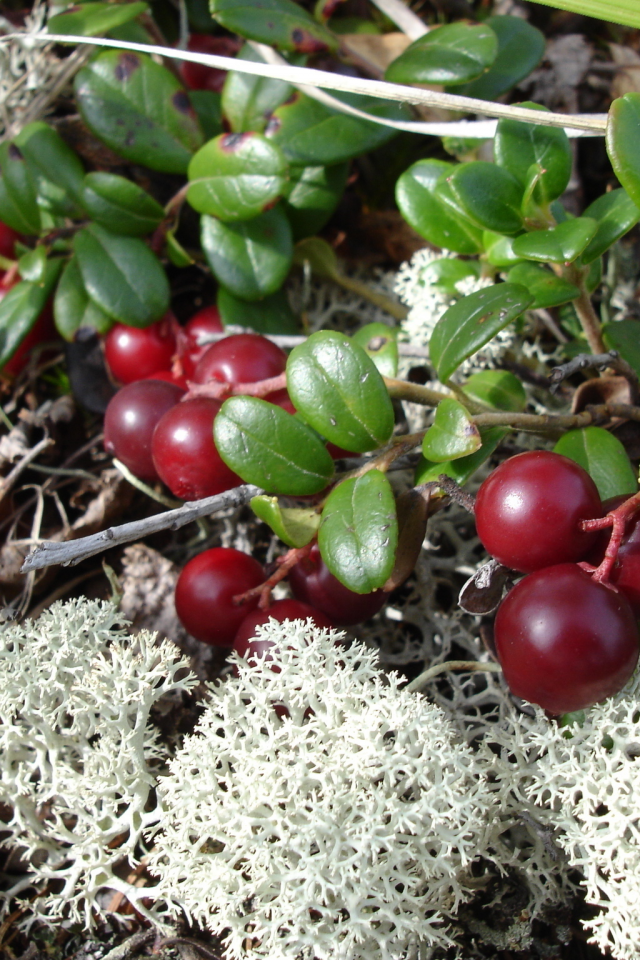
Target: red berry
{"points": [[168, 377], [313, 583], [625, 574], [201, 324], [246, 643], [282, 399], [131, 418], [133, 353], [185, 455], [197, 76], [8, 239], [242, 358], [205, 591], [565, 641], [528, 511]]}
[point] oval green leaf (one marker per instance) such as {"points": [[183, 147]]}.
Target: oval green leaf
{"points": [[266, 446], [561, 244], [547, 289], [94, 19], [623, 142], [18, 191], [380, 343], [452, 434], [471, 322], [247, 101], [450, 54], [73, 308], [603, 457], [296, 526], [498, 389], [51, 159], [33, 264], [615, 213], [624, 336], [499, 249], [120, 205], [427, 215], [337, 389], [489, 195], [279, 23], [518, 146], [462, 468], [122, 276], [520, 49], [250, 258], [20, 308], [311, 196], [272, 314], [359, 532]]}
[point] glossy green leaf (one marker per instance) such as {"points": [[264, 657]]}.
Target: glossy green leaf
{"points": [[120, 205], [489, 195], [463, 468], [94, 19], [520, 50], [499, 249], [603, 457], [359, 532], [315, 254], [279, 23], [250, 258], [380, 343], [311, 196], [624, 336], [449, 272], [207, 105], [72, 306], [452, 434], [122, 276], [615, 213], [518, 146], [51, 159], [139, 109], [561, 244], [296, 526], [272, 314], [623, 142], [265, 445], [337, 389], [451, 54], [309, 134], [236, 177], [547, 289], [20, 308], [615, 11], [498, 389], [248, 101], [18, 191], [32, 265], [471, 322], [427, 215]]}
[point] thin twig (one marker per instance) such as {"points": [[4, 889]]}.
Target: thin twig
{"points": [[403, 17], [472, 666], [598, 361], [8, 482]]}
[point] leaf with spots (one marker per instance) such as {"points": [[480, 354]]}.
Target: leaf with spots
{"points": [[280, 23], [452, 435]]}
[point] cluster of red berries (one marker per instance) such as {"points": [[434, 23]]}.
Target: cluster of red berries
{"points": [[565, 638]]}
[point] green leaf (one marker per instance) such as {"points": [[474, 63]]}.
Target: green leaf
{"points": [[615, 11], [449, 272], [265, 445], [248, 101], [139, 109], [380, 343], [452, 434], [615, 213], [236, 176], [73, 308], [489, 195], [207, 105], [250, 258], [451, 54], [312, 195], [296, 526], [94, 19], [272, 314], [518, 146], [603, 457], [427, 215], [318, 255], [337, 389], [120, 205], [471, 322], [32, 265], [175, 252], [623, 142], [499, 249], [309, 134], [624, 336], [498, 389], [547, 289], [359, 532], [122, 276], [520, 50], [463, 468], [18, 192], [278, 23], [51, 159], [20, 308], [561, 244]]}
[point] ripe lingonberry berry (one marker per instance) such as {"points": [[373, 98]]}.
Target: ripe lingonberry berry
{"points": [[565, 641], [133, 353], [625, 574], [205, 591], [242, 358], [312, 582], [202, 323], [131, 418], [8, 239], [529, 509], [246, 642], [197, 76]]}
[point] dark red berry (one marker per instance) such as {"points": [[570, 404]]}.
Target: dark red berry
{"points": [[185, 455], [246, 643], [625, 574], [8, 239], [131, 418], [313, 583], [529, 509], [205, 591], [133, 354], [197, 76], [169, 377], [565, 641], [201, 324], [242, 358]]}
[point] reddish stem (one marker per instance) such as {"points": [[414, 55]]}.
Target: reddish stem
{"points": [[617, 519], [220, 390], [285, 563]]}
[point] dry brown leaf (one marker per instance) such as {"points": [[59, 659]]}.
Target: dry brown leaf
{"points": [[374, 52], [113, 497], [625, 81]]}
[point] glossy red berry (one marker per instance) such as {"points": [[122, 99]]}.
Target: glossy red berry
{"points": [[242, 358], [313, 583], [185, 455], [133, 354], [246, 643], [131, 418], [201, 324], [169, 377], [197, 76], [565, 641], [205, 591], [528, 511]]}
